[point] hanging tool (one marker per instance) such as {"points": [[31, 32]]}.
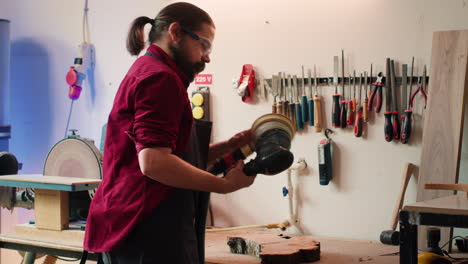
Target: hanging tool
{"points": [[358, 123], [376, 92], [406, 117], [349, 114], [292, 105], [366, 99], [304, 104], [354, 91], [279, 104], [285, 95], [317, 105], [395, 114], [274, 92], [325, 152], [422, 85], [299, 121], [343, 115], [336, 111], [311, 104], [388, 126]]}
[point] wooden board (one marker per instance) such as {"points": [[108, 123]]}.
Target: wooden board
{"points": [[453, 204], [332, 250], [40, 181], [73, 234], [43, 242], [276, 248], [447, 186], [443, 118]]}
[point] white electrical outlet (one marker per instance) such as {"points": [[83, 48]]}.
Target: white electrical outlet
{"points": [[88, 54]]}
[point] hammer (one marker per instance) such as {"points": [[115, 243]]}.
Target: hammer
{"points": [[392, 237]]}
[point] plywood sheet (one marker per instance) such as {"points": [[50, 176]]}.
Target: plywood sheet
{"points": [[443, 118]]}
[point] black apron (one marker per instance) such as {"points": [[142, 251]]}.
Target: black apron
{"points": [[175, 232]]}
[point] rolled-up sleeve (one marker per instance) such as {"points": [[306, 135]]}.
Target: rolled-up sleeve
{"points": [[158, 112]]}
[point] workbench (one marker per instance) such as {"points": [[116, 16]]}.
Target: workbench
{"points": [[217, 252], [448, 211], [62, 240]]}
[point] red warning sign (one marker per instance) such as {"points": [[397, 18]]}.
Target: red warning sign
{"points": [[204, 79]]}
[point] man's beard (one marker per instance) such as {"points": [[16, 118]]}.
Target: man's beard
{"points": [[190, 69]]}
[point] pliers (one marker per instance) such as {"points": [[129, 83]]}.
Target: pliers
{"points": [[378, 84], [422, 85]]}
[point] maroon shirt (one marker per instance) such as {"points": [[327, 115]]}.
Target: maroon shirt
{"points": [[151, 109]]}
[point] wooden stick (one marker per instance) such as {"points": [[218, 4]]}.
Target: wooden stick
{"points": [[282, 225], [407, 171]]}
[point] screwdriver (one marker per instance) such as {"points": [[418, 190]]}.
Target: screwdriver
{"points": [[299, 120], [336, 121], [304, 104], [285, 101], [354, 91], [366, 100], [395, 115], [343, 115], [274, 92], [292, 105], [279, 105], [317, 105], [359, 116], [311, 101], [406, 117], [349, 115]]}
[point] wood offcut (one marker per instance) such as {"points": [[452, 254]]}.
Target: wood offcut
{"points": [[273, 248]]}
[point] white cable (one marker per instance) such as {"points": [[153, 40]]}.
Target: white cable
{"points": [[69, 117], [85, 23]]}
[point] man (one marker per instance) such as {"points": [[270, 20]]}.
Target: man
{"points": [[144, 209]]}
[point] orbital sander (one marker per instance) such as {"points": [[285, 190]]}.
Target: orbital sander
{"points": [[271, 140]]}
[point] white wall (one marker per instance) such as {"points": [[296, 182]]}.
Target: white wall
{"points": [[272, 35]]}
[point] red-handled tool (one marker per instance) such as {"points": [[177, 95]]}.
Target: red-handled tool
{"points": [[344, 110], [336, 110], [395, 115], [365, 112], [388, 126], [376, 94], [350, 114], [358, 123], [406, 117], [354, 92], [422, 85]]}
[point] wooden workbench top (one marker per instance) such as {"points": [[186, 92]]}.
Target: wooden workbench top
{"points": [[40, 181], [332, 250], [452, 204]]}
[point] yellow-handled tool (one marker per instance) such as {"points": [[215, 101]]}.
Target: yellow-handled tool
{"points": [[317, 105]]}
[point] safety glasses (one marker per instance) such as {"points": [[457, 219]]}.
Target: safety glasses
{"points": [[205, 43]]}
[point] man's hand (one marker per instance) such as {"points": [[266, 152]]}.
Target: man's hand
{"points": [[240, 139], [236, 179], [218, 150]]}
